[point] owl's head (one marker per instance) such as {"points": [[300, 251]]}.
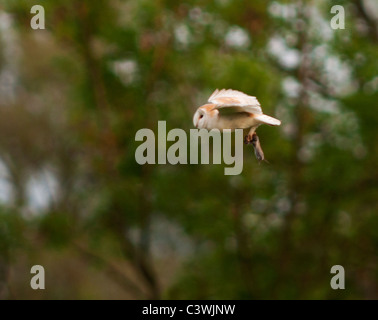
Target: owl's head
{"points": [[202, 117], [199, 119]]}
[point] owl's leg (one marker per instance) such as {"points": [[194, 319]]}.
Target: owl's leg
{"points": [[254, 140], [249, 137]]}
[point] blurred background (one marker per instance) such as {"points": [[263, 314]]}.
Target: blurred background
{"points": [[74, 200]]}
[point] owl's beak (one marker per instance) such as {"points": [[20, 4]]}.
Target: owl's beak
{"points": [[195, 122]]}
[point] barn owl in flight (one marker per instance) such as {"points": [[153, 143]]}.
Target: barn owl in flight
{"points": [[231, 109]]}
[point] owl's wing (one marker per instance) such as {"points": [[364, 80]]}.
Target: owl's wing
{"points": [[238, 101]]}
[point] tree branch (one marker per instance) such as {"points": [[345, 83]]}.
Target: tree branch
{"points": [[111, 271], [372, 24]]}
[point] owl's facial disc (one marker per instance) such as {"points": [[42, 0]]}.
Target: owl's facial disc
{"points": [[199, 119]]}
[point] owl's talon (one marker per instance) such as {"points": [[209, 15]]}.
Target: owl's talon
{"points": [[248, 139]]}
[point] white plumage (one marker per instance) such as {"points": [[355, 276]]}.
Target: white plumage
{"points": [[228, 98], [232, 109]]}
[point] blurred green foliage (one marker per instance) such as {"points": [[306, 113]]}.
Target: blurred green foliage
{"points": [[108, 228]]}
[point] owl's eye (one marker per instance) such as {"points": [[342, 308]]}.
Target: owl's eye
{"points": [[201, 116]]}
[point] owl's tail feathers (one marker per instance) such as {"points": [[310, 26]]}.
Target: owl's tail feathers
{"points": [[263, 118]]}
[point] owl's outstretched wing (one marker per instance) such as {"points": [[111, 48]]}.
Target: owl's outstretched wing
{"points": [[238, 101]]}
